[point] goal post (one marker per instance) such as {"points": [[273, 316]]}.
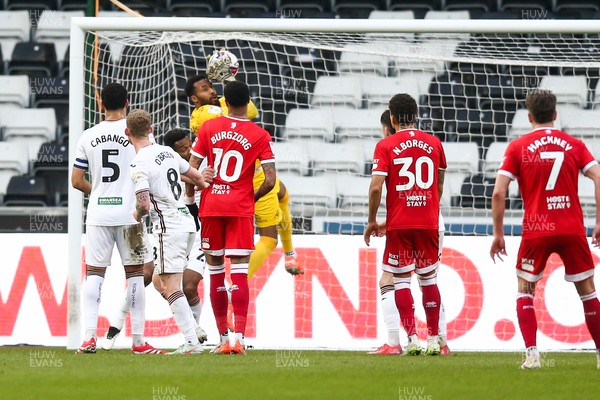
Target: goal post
{"points": [[452, 76]]}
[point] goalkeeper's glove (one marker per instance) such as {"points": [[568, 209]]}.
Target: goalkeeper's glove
{"points": [[220, 69], [193, 209]]}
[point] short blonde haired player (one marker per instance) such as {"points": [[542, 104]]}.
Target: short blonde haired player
{"points": [[272, 212], [386, 285]]}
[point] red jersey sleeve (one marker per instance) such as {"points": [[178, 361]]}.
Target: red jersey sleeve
{"points": [[199, 145], [380, 161], [585, 159], [510, 163], [266, 154]]}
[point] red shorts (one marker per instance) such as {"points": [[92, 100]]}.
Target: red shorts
{"points": [[410, 249], [574, 251], [228, 236]]}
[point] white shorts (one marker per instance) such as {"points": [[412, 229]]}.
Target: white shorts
{"points": [[131, 240], [196, 261], [172, 251]]}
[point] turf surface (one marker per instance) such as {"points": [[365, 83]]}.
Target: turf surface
{"points": [[55, 373]]}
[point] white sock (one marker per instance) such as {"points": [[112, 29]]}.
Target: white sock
{"points": [[119, 320], [290, 253], [533, 351], [239, 336], [136, 301], [183, 316], [442, 326], [391, 317], [91, 302], [196, 311], [413, 338], [224, 337]]}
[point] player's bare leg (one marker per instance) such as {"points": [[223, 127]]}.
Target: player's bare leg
{"points": [[390, 316], [528, 323], [118, 321], [265, 245], [591, 309], [170, 285], [285, 232], [91, 300], [191, 279]]}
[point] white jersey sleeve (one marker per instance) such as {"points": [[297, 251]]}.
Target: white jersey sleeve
{"points": [[157, 169], [105, 153]]}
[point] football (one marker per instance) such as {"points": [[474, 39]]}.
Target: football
{"points": [[225, 54]]}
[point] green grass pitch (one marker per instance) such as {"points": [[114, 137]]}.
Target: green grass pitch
{"points": [[55, 373]]}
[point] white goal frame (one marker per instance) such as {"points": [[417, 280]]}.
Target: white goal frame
{"points": [[80, 25]]}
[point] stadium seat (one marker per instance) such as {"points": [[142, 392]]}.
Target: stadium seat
{"points": [[303, 5], [209, 6], [446, 92], [521, 125], [479, 5], [50, 91], [401, 15], [353, 194], [579, 123], [337, 91], [378, 90], [463, 161], [360, 63], [31, 126], [418, 56], [32, 4], [292, 157], [593, 145], [15, 27], [476, 192], [14, 161], [27, 191], [568, 89], [525, 6], [15, 90], [51, 157], [244, 7], [445, 15], [336, 157], [421, 78], [587, 194], [315, 124], [357, 8], [493, 158], [33, 59], [357, 124], [424, 5], [562, 5], [311, 195], [55, 27]]}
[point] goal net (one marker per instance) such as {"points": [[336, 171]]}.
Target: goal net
{"points": [[321, 94]]}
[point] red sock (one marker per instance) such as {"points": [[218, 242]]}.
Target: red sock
{"points": [[431, 303], [240, 298], [219, 300], [527, 319], [406, 308], [591, 309]]}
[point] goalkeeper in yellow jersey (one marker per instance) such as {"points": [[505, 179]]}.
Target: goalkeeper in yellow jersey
{"points": [[272, 213]]}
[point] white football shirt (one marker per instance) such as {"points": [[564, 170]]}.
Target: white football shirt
{"points": [[105, 152], [158, 169]]}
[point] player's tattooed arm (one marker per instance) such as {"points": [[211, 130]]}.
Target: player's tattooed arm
{"points": [[142, 204], [269, 182], [79, 181], [441, 177]]}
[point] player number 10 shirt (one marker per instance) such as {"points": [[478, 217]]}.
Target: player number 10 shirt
{"points": [[546, 163], [410, 160], [231, 146]]}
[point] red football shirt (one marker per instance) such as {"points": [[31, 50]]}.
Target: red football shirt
{"points": [[410, 160], [546, 163], [231, 146]]}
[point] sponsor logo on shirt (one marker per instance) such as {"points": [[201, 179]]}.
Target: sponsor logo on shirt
{"points": [[110, 201]]}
